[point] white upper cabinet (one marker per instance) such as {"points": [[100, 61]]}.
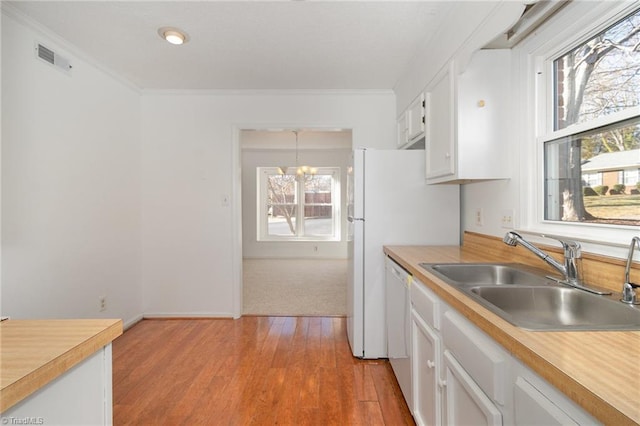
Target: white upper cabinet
{"points": [[440, 144], [411, 124], [416, 118], [469, 119]]}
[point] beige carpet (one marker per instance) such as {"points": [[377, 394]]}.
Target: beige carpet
{"points": [[294, 287]]}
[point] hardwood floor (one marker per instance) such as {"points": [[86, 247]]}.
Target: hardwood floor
{"points": [[251, 371]]}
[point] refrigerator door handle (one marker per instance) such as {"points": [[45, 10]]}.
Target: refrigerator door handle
{"points": [[353, 219]]}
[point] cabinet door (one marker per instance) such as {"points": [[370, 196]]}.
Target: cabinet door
{"points": [[440, 146], [533, 408], [416, 118], [483, 128], [466, 403], [426, 366]]}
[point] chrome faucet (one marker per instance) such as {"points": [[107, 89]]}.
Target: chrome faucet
{"points": [[571, 252], [569, 270], [628, 288]]}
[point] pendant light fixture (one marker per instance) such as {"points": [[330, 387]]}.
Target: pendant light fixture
{"points": [[302, 171]]}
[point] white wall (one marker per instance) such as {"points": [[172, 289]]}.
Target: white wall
{"points": [[253, 158], [84, 217], [70, 185], [191, 160]]}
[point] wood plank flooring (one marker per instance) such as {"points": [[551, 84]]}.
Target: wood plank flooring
{"points": [[250, 371]]}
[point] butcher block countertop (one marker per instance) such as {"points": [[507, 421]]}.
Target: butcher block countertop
{"points": [[598, 370], [35, 352]]}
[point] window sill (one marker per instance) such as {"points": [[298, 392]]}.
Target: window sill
{"points": [[611, 241]]}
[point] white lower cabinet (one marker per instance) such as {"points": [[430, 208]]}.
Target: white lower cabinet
{"points": [[538, 403], [426, 368], [461, 376], [426, 355], [533, 408], [476, 375], [466, 403]]}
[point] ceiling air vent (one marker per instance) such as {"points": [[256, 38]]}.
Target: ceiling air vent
{"points": [[53, 58], [46, 54]]}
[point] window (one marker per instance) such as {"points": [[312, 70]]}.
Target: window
{"points": [[595, 137], [631, 179], [292, 207], [592, 179]]}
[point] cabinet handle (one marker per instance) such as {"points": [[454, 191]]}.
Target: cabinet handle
{"points": [[430, 363], [442, 383], [447, 155]]}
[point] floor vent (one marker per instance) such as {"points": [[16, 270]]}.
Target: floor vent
{"points": [[53, 58]]}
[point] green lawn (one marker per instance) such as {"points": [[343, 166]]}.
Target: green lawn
{"points": [[614, 206]]}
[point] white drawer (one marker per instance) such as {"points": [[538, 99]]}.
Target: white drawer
{"points": [[425, 302], [533, 408], [466, 403], [481, 357]]}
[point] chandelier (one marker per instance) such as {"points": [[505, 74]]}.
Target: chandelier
{"points": [[301, 171]]}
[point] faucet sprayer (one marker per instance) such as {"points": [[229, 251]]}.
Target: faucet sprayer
{"points": [[513, 239], [569, 270]]}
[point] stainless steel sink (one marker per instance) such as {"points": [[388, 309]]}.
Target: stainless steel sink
{"points": [[524, 296], [557, 308], [464, 274]]}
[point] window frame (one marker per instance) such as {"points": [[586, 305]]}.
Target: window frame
{"points": [[263, 235], [575, 24]]}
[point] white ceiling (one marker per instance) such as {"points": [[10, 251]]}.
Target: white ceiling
{"points": [[247, 44]]}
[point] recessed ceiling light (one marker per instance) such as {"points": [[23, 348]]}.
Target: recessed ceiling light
{"points": [[173, 35]]}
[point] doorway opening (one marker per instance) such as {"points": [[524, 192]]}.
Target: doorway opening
{"points": [[289, 268]]}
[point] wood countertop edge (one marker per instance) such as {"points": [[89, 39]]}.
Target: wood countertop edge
{"points": [[507, 336], [17, 391]]}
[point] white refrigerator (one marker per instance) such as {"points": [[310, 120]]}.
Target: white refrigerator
{"points": [[389, 203]]}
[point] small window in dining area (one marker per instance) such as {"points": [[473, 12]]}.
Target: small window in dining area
{"points": [[298, 206]]}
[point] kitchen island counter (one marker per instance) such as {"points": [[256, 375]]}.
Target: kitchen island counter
{"points": [[34, 353]]}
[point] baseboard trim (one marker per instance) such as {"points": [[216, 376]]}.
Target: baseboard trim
{"points": [[187, 315], [295, 315], [128, 324], [293, 257]]}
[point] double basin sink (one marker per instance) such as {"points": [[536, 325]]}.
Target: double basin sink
{"points": [[526, 298]]}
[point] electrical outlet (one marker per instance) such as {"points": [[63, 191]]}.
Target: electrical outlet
{"points": [[507, 219], [479, 217], [103, 303]]}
